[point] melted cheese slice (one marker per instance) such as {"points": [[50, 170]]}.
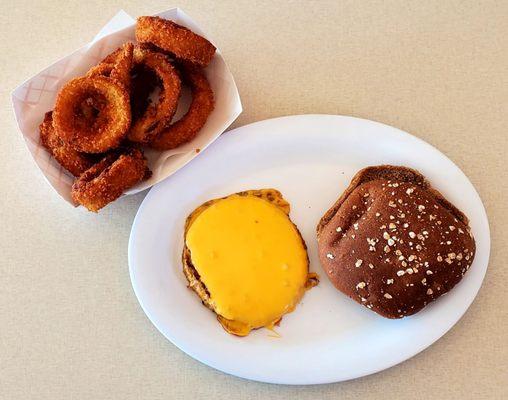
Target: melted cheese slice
{"points": [[252, 260]]}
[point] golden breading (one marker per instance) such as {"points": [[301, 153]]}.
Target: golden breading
{"points": [[175, 39]]}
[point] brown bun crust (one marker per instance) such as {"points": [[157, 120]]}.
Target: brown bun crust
{"points": [[393, 243]]}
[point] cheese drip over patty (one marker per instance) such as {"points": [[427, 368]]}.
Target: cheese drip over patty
{"points": [[251, 258]]}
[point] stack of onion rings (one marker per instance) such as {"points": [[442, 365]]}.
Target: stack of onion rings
{"points": [[101, 115]]}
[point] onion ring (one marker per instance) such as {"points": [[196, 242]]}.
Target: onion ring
{"points": [[116, 65], [175, 39], [186, 128], [92, 114], [105, 181], [155, 117], [74, 162]]}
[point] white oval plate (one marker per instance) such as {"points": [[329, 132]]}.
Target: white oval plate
{"points": [[310, 159]]}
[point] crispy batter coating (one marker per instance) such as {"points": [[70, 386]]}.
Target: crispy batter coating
{"points": [[92, 114], [116, 65], [74, 162], [155, 117], [105, 181], [175, 39], [186, 128]]}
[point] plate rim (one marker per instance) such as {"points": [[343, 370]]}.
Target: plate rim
{"points": [[366, 371]]}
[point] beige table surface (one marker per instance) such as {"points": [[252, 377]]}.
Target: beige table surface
{"points": [[70, 326]]}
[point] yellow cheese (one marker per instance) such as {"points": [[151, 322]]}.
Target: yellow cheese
{"points": [[251, 258]]}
